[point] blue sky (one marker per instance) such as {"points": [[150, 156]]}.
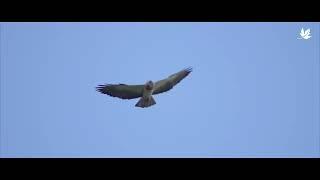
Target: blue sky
{"points": [[254, 90]]}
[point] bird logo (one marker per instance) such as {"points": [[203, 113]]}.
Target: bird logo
{"points": [[305, 34]]}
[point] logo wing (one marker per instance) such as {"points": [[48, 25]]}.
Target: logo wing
{"points": [[307, 32], [302, 32]]}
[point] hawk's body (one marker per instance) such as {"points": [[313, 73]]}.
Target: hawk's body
{"points": [[147, 100], [144, 92]]}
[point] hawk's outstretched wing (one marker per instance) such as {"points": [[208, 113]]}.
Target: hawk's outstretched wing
{"points": [[168, 83], [122, 91]]}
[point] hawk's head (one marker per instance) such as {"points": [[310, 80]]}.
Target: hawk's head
{"points": [[149, 85]]}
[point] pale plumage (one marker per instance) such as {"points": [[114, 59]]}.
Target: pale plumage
{"points": [[144, 92]]}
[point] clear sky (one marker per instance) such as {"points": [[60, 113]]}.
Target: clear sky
{"points": [[254, 90]]}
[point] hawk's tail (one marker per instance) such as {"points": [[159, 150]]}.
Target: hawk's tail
{"points": [[146, 102]]}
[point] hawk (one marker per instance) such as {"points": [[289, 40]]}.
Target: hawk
{"points": [[144, 92]]}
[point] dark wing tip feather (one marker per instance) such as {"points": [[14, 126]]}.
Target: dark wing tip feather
{"points": [[188, 70], [107, 89], [122, 91], [103, 88]]}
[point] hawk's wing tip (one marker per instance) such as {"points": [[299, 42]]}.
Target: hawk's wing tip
{"points": [[100, 88], [189, 69]]}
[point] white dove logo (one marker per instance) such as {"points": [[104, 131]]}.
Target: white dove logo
{"points": [[305, 34]]}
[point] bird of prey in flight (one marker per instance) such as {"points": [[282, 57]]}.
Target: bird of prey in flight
{"points": [[144, 92]]}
